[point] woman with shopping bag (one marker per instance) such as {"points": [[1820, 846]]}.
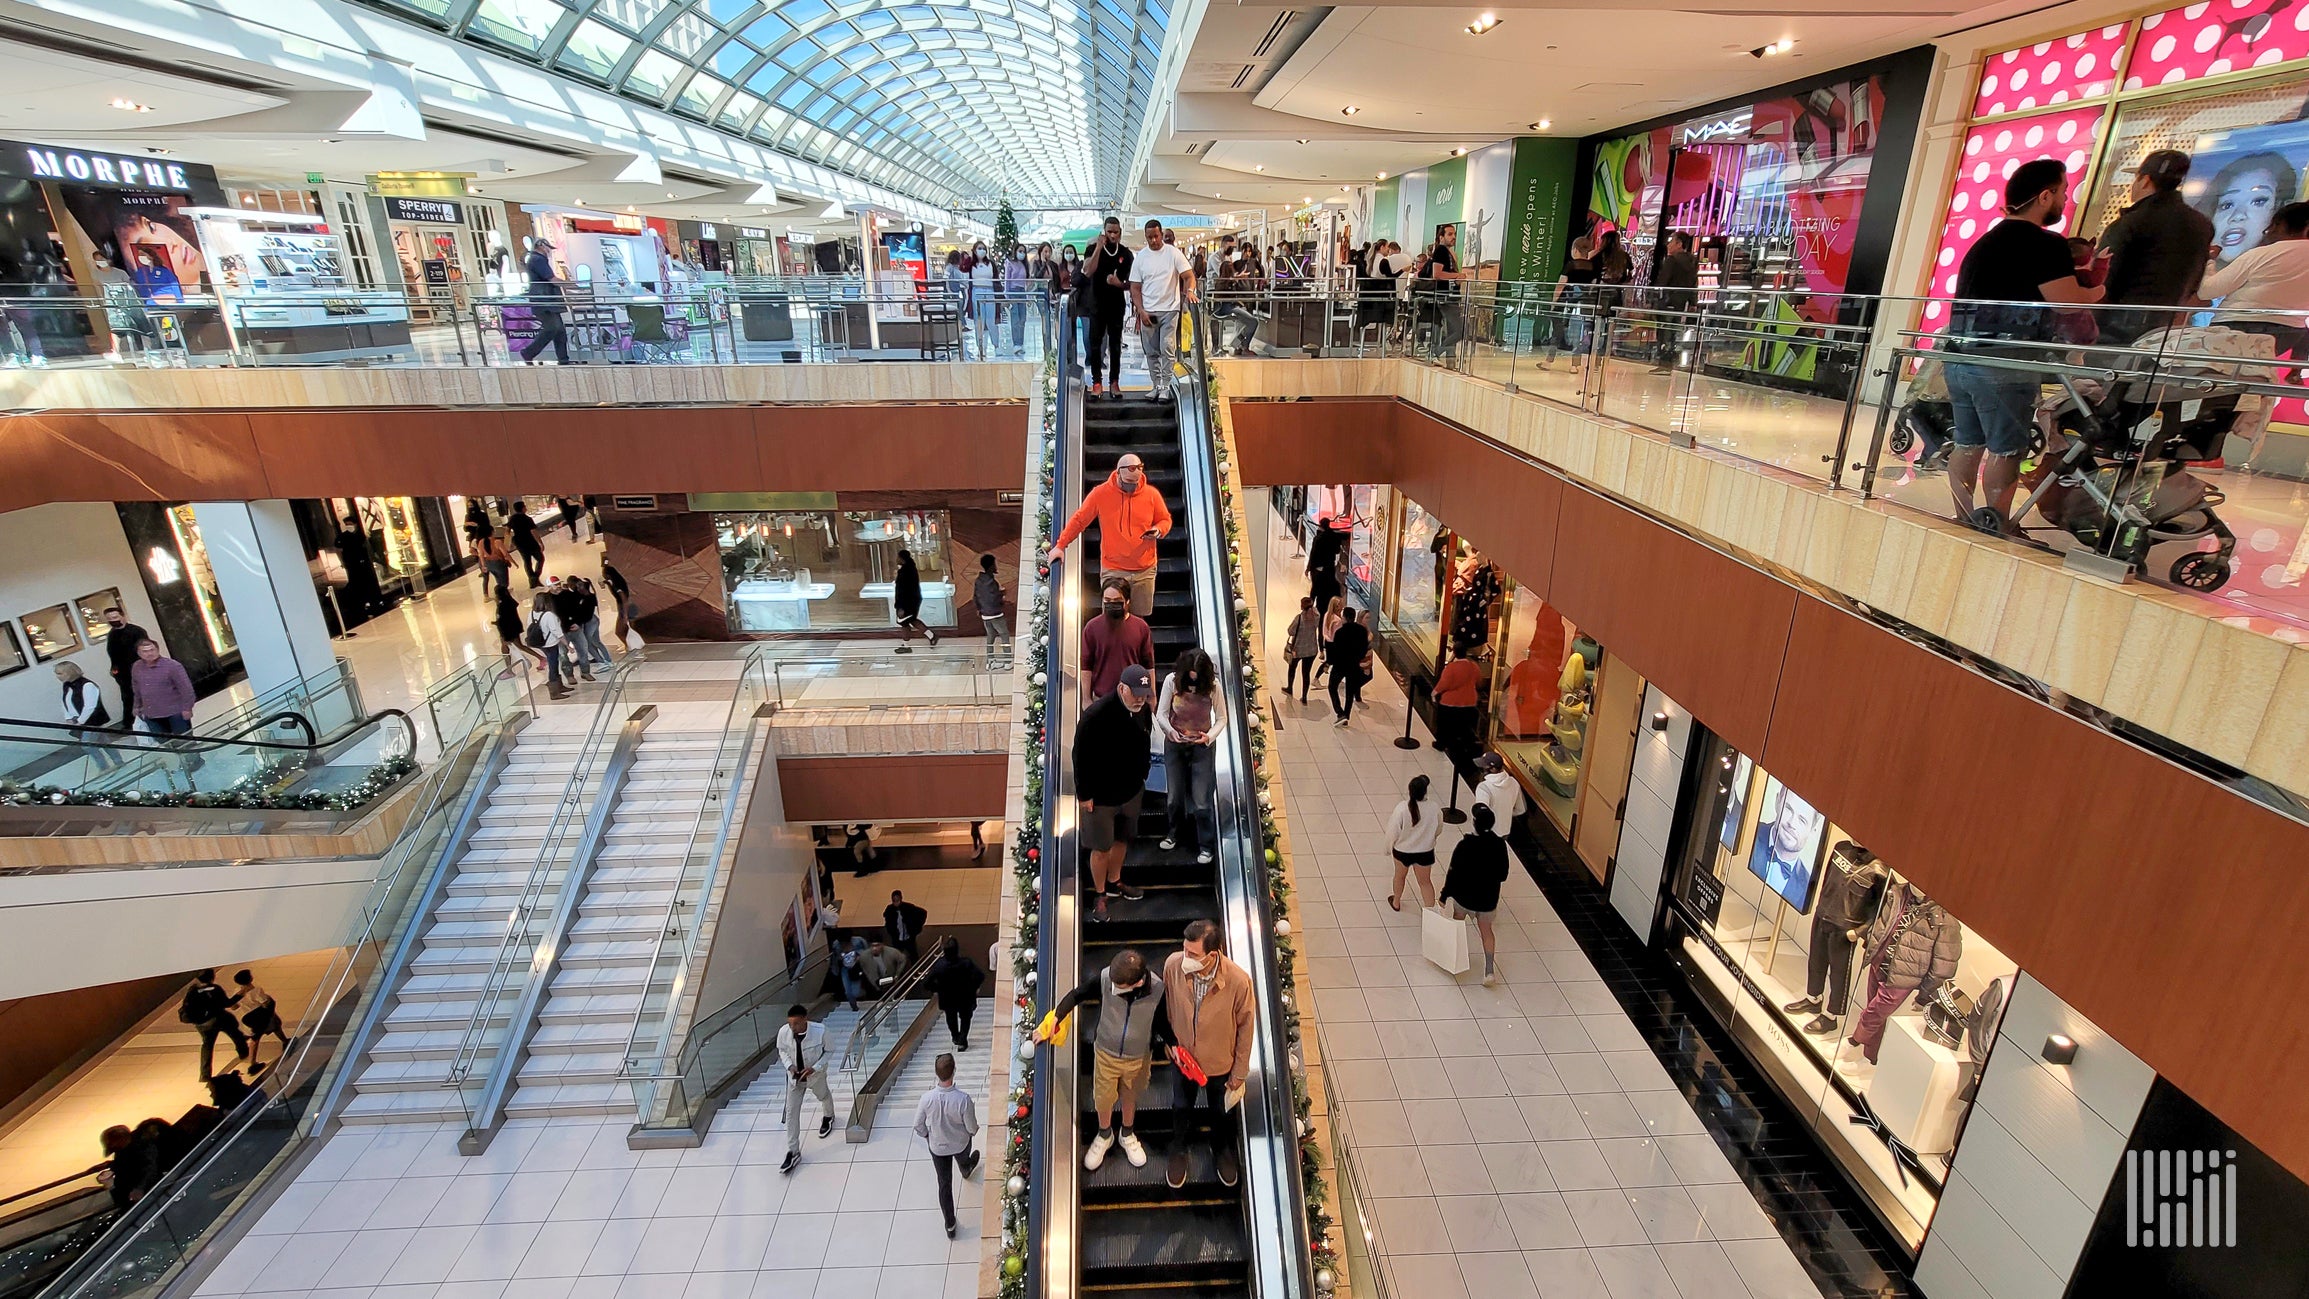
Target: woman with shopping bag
{"points": [[1478, 868]]}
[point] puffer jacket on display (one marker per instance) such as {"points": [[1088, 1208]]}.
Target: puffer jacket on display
{"points": [[1914, 944]]}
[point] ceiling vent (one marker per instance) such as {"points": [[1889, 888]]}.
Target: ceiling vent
{"points": [[1275, 32]]}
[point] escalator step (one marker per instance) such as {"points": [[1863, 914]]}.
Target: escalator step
{"points": [[1189, 1242]]}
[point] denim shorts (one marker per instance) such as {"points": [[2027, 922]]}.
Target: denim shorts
{"points": [[1992, 407]]}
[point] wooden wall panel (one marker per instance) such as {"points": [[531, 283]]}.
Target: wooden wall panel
{"points": [[914, 787], [1341, 440], [313, 453], [613, 449], [1505, 506], [884, 448], [2164, 908], [193, 455]]}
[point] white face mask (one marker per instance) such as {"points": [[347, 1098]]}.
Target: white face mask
{"points": [[1192, 964]]}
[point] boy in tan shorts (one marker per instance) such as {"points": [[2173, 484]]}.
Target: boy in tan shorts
{"points": [[1131, 1025]]}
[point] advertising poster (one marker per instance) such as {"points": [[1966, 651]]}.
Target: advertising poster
{"points": [[1786, 853], [145, 234], [1538, 209], [909, 254]]}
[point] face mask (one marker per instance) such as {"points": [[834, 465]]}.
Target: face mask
{"points": [[1116, 610], [1192, 964]]}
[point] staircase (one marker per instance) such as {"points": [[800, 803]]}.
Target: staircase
{"points": [[585, 1025], [406, 1076], [764, 1099], [1140, 1238], [762, 1105]]}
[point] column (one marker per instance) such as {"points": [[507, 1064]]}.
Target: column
{"points": [[267, 586]]}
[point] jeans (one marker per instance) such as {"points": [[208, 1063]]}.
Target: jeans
{"points": [[997, 627], [179, 724], [1160, 342], [1193, 774], [794, 1089], [1994, 408], [1106, 338], [1183, 1097], [589, 642], [1351, 679], [550, 329], [532, 562], [988, 316], [1017, 310], [553, 664], [1301, 671], [491, 568], [958, 1022], [945, 1166]]}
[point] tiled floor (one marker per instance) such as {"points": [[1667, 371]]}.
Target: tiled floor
{"points": [[153, 1073], [1519, 1141]]}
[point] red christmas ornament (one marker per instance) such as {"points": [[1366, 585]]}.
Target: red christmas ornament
{"points": [[1023, 1111], [1034, 854]]}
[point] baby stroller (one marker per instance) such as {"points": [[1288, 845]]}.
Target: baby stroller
{"points": [[2117, 482], [1930, 420]]}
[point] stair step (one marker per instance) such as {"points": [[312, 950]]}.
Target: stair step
{"points": [[435, 1105], [570, 1100]]}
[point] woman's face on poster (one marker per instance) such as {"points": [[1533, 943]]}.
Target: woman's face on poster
{"points": [[2241, 212]]}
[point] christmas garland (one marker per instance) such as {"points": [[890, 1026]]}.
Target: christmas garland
{"points": [[263, 790]]}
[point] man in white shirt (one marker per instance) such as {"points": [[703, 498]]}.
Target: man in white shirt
{"points": [[802, 1050], [1499, 792], [1161, 282]]}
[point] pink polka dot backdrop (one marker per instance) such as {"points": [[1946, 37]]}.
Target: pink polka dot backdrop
{"points": [[1992, 152], [2047, 75], [2206, 40]]}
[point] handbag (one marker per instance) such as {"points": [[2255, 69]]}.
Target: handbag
{"points": [[633, 640], [1443, 940], [1190, 1068]]}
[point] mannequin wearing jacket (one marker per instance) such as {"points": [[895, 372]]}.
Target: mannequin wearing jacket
{"points": [[1911, 950], [1849, 892]]}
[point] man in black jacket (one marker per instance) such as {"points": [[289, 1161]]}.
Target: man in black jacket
{"points": [[902, 924], [571, 606], [1676, 288], [208, 1008], [1111, 747], [120, 651], [2156, 250]]}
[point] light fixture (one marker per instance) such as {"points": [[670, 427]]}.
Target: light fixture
{"points": [[1459, 153], [1382, 175], [1302, 141], [131, 106], [1483, 24], [1660, 721], [581, 202], [1259, 167], [629, 207], [1541, 125], [669, 193], [1781, 46], [2060, 1048], [1350, 110]]}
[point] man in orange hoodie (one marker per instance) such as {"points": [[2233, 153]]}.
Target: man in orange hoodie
{"points": [[1131, 517]]}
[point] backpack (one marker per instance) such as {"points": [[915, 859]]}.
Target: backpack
{"points": [[191, 1010], [534, 638]]}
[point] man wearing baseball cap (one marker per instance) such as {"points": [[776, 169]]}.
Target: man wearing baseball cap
{"points": [[1111, 747], [545, 305]]}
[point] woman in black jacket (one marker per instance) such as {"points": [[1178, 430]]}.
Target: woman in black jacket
{"points": [[906, 598], [1478, 868], [956, 979]]}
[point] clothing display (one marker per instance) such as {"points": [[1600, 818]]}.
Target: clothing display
{"points": [[1471, 599], [1912, 947], [1849, 892]]}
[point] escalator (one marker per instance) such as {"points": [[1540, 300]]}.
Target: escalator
{"points": [[1119, 1232]]}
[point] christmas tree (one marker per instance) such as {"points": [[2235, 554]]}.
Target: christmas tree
{"points": [[1006, 230]]}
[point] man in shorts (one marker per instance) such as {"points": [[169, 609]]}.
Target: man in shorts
{"points": [[2018, 262], [1112, 743], [1131, 1023]]}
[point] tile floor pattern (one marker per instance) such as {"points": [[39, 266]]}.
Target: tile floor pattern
{"points": [[1522, 1141]]}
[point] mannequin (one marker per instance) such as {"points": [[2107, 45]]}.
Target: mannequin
{"points": [[1849, 892], [1912, 948]]}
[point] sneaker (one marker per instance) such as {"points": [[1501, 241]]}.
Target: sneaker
{"points": [[1096, 1155], [1230, 1168], [949, 1229], [1176, 1172], [1491, 978], [1339, 722], [975, 1162], [793, 1160], [905, 649], [826, 1127], [933, 637], [1132, 1150], [1203, 858], [1169, 842], [1127, 893]]}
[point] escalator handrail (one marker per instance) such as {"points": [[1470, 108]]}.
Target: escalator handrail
{"points": [[1053, 1257], [1273, 1192], [81, 735], [886, 1005]]}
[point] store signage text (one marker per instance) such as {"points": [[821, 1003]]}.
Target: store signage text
{"points": [[64, 164], [418, 184], [1721, 128], [706, 230], [434, 210], [166, 571]]}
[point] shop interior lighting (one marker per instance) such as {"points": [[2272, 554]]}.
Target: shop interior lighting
{"points": [[1382, 175], [1541, 125], [1459, 153], [1350, 110], [1781, 46], [1259, 167], [2060, 1048], [1483, 24], [1660, 721], [131, 106], [1302, 141]]}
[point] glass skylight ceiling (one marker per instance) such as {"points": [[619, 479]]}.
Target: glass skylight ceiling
{"points": [[952, 102]]}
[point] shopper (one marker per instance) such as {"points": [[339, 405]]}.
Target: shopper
{"points": [[569, 605], [2156, 250], [1573, 298], [902, 923], [510, 634], [1130, 1026], [1411, 832], [1190, 714], [802, 1051], [1334, 617], [1675, 292], [572, 510], [985, 309], [1994, 407], [906, 603], [585, 623], [987, 595], [1326, 558], [208, 1008], [135, 1168], [1162, 283], [163, 689], [883, 967], [1302, 642], [1209, 1016], [957, 981], [525, 542], [857, 977], [1105, 289], [622, 595], [545, 305], [2274, 278], [1349, 658], [363, 597], [260, 1015], [496, 561], [1478, 868], [1458, 689], [84, 711], [1015, 302], [1113, 640], [947, 1119], [1439, 277], [120, 644], [1110, 758], [1132, 518], [1500, 792], [545, 635]]}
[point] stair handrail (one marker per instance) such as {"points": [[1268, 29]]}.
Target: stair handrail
{"points": [[725, 781], [567, 815], [886, 1004]]}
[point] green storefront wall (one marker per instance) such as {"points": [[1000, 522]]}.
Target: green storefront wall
{"points": [[1446, 201], [1539, 189], [1384, 200]]}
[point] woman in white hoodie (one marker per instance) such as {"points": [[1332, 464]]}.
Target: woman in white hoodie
{"points": [[1411, 837]]}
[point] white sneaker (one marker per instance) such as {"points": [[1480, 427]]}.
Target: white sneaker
{"points": [[1203, 858], [1132, 1150], [1169, 842], [1491, 978], [1096, 1155]]}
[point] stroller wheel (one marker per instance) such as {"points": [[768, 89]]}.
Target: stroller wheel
{"points": [[1901, 439], [2200, 571], [1987, 520]]}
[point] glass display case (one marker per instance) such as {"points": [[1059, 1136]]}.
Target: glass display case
{"points": [[801, 570], [12, 656], [214, 624], [93, 607], [53, 631]]}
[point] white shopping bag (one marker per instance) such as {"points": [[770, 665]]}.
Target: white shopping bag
{"points": [[1443, 940], [633, 640]]}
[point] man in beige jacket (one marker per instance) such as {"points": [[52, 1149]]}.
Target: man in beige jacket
{"points": [[1207, 999]]}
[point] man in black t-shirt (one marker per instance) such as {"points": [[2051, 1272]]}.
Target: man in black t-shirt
{"points": [[2017, 262], [1438, 290], [1106, 290]]}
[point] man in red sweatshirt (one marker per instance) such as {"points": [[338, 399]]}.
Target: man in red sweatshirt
{"points": [[1131, 517]]}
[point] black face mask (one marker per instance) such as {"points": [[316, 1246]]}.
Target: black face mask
{"points": [[1117, 610]]}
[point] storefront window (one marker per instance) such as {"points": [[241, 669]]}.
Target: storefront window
{"points": [[1415, 604], [203, 578], [1869, 1006], [1538, 724], [797, 570], [396, 536]]}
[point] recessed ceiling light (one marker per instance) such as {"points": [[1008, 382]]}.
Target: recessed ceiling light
{"points": [[1541, 125], [1483, 24], [131, 106], [669, 193], [1302, 141], [1342, 189], [581, 202], [1259, 167], [1350, 110], [1382, 175], [1459, 153], [1309, 199]]}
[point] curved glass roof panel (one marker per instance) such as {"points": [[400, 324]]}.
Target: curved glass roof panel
{"points": [[957, 102]]}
